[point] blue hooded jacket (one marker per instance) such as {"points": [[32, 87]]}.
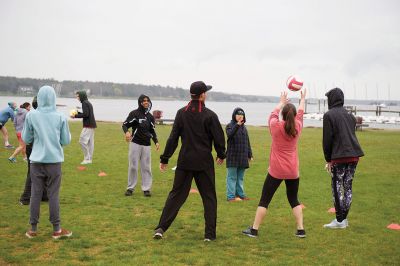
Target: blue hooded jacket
{"points": [[47, 129], [7, 113]]}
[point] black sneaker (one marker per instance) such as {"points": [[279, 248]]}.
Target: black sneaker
{"points": [[158, 233], [128, 192], [250, 232], [147, 193], [24, 202], [300, 233]]}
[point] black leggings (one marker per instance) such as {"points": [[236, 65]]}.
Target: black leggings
{"points": [[271, 184]]}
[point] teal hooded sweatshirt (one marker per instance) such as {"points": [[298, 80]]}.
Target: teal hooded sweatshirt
{"points": [[47, 129]]}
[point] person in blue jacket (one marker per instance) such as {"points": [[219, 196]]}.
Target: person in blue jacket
{"points": [[5, 114], [49, 132]]}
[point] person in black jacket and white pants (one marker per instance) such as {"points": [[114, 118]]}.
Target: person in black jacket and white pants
{"points": [[342, 152], [143, 130], [199, 128], [86, 139]]}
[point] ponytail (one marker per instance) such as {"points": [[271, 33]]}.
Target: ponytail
{"points": [[288, 115]]}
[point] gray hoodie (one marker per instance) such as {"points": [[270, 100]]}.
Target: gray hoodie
{"points": [[19, 119]]}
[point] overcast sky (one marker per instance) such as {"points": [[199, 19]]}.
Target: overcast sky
{"points": [[245, 47]]}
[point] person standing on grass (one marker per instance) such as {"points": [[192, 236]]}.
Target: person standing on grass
{"points": [[283, 162], [199, 128], [5, 114], [143, 130], [19, 120], [49, 131], [238, 155], [342, 152], [86, 138], [26, 194]]}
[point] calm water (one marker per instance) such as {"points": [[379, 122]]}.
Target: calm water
{"points": [[118, 109]]}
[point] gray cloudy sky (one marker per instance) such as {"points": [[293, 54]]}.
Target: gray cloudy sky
{"points": [[246, 47]]}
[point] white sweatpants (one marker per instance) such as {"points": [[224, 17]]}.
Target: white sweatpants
{"points": [[86, 140], [143, 154]]}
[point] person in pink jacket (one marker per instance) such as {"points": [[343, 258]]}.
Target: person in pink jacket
{"points": [[283, 162]]}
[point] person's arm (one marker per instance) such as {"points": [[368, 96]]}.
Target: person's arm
{"points": [[250, 155], [153, 133], [27, 131], [274, 117], [172, 141], [303, 100], [65, 135], [218, 137], [130, 122], [232, 129], [327, 138], [85, 111]]}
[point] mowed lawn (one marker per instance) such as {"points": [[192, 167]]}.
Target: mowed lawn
{"points": [[112, 229]]}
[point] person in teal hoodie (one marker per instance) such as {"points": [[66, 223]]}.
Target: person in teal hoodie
{"points": [[5, 114], [49, 131]]}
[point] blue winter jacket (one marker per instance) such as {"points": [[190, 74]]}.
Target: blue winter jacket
{"points": [[47, 129], [6, 114]]}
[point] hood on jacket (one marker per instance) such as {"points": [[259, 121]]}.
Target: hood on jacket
{"points": [[335, 98], [12, 105], [82, 96], [140, 100], [34, 102], [46, 99], [234, 114]]}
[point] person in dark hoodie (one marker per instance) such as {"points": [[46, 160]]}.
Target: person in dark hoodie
{"points": [[26, 194], [143, 130], [199, 128], [86, 138], [342, 152], [238, 155]]}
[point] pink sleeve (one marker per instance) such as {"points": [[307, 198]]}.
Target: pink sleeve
{"points": [[274, 117], [299, 117]]}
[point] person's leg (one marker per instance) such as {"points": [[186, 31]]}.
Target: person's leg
{"points": [[53, 173], [239, 183], [348, 187], [231, 177], [84, 140], [176, 198], [205, 182], [91, 144], [145, 168], [338, 172], [133, 159], [292, 188], [271, 184], [5, 135], [26, 195], [16, 152], [38, 177]]}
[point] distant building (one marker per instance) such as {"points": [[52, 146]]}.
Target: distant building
{"points": [[25, 90]]}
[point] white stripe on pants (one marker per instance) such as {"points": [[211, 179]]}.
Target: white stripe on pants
{"points": [[86, 140], [143, 153]]}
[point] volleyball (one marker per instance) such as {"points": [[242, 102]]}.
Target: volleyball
{"points": [[294, 83], [73, 112]]}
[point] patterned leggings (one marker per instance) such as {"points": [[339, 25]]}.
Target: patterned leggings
{"points": [[342, 180]]}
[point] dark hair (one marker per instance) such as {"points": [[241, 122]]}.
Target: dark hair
{"points": [[24, 105], [195, 97], [288, 115]]}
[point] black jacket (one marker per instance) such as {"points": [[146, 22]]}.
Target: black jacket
{"points": [[239, 151], [87, 111], [199, 128], [339, 137], [142, 124]]}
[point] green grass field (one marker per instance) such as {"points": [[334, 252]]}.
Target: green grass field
{"points": [[112, 229]]}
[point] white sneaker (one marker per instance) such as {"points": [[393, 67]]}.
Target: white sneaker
{"points": [[86, 162], [346, 222], [335, 224]]}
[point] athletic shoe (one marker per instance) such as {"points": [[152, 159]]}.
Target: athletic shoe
{"points": [[86, 162], [158, 233], [31, 234], [244, 198], [147, 193], [250, 232], [9, 146], [209, 239], [300, 233], [336, 225], [128, 192], [62, 233], [12, 160], [23, 202], [346, 222]]}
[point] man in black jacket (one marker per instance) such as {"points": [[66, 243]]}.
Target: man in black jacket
{"points": [[342, 152], [199, 128], [86, 138], [142, 124]]}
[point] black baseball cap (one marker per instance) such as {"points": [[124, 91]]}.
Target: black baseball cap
{"points": [[199, 87]]}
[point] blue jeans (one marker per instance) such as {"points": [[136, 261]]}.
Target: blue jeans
{"points": [[234, 182]]}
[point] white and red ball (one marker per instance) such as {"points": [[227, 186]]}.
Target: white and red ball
{"points": [[294, 83]]}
